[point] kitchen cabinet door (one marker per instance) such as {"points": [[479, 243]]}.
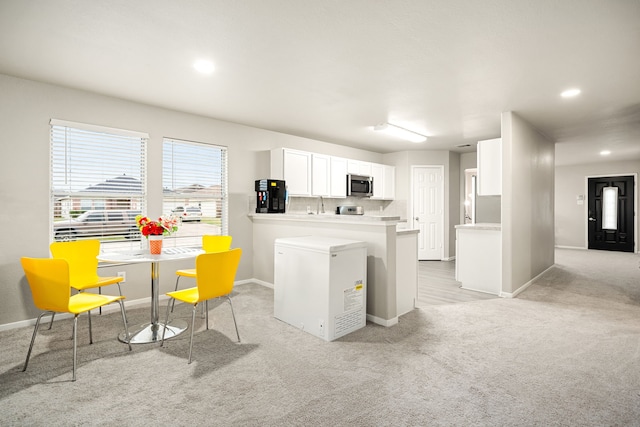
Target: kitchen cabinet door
{"points": [[297, 172], [320, 175], [338, 177], [359, 167], [490, 167], [377, 172], [389, 182], [384, 181]]}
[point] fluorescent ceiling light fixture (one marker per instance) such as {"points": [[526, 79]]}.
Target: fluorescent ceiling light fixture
{"points": [[605, 152], [570, 93], [204, 66], [400, 132]]}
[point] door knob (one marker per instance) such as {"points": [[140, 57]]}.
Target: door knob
{"points": [[591, 219], [417, 219]]}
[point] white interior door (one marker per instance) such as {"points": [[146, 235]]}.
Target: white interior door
{"points": [[428, 210]]}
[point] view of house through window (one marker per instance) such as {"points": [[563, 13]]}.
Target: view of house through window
{"points": [[98, 184], [194, 177]]}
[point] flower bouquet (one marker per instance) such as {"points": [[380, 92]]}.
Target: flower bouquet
{"points": [[154, 230]]}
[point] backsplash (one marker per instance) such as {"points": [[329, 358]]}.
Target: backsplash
{"points": [[298, 205]]}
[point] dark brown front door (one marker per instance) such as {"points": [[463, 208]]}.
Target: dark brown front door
{"points": [[611, 219]]}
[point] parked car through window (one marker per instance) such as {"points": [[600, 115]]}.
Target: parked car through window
{"points": [[190, 213], [98, 223]]}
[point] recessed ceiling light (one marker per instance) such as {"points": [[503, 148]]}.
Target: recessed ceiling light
{"points": [[204, 66], [570, 93], [605, 152]]}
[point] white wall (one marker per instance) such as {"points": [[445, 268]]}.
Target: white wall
{"points": [[570, 217], [26, 108], [527, 202]]}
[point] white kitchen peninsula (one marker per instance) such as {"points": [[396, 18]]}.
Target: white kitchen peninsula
{"points": [[383, 261], [479, 257]]}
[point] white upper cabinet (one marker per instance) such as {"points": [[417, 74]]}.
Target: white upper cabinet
{"points": [[359, 167], [383, 181], [389, 182], [490, 167], [313, 175], [338, 177], [320, 175], [294, 167]]}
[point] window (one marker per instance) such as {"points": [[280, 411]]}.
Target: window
{"points": [[194, 184], [610, 208], [98, 183]]}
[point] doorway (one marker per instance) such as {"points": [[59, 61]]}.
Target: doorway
{"points": [[610, 210], [470, 179], [428, 210]]}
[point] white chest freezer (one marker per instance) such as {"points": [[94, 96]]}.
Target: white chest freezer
{"points": [[320, 285]]}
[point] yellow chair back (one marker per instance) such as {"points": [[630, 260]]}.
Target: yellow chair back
{"points": [[215, 273], [82, 258], [214, 243], [49, 282]]}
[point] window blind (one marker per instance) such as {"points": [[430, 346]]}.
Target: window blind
{"points": [[98, 183], [194, 182]]}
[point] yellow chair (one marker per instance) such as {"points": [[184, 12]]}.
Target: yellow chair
{"points": [[82, 256], [210, 243], [50, 283], [215, 273]]}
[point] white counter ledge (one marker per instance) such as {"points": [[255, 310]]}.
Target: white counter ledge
{"points": [[480, 226], [380, 219]]}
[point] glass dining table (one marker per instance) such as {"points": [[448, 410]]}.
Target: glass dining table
{"points": [[152, 332]]}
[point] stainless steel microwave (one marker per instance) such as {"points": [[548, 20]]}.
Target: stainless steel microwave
{"points": [[359, 185]]}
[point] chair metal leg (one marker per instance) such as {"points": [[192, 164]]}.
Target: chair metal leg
{"points": [[51, 321], [120, 292], [234, 317], [90, 330], [75, 344], [166, 321], [193, 323], [33, 338], [206, 306], [124, 320], [174, 301]]}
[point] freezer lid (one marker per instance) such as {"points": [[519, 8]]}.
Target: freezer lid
{"points": [[319, 243]]}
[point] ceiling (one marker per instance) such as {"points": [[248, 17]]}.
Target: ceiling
{"points": [[331, 70]]}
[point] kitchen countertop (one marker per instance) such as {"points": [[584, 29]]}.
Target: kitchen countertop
{"points": [[381, 220], [403, 231], [480, 226], [328, 217]]}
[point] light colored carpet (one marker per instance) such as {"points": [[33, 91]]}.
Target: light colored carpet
{"points": [[566, 352]]}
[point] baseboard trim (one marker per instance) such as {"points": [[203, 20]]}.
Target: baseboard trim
{"points": [[256, 281], [571, 247], [382, 322], [525, 286], [110, 308]]}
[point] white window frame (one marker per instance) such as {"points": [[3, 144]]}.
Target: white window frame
{"points": [[194, 178], [101, 168]]}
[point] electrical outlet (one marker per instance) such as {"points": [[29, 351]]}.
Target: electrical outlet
{"points": [[122, 274], [321, 327]]}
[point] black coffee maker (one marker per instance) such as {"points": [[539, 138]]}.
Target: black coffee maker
{"points": [[271, 196]]}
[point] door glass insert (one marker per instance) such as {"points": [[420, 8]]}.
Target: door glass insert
{"points": [[610, 208]]}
